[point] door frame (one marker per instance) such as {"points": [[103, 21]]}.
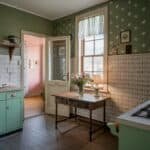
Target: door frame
{"points": [[23, 32]]}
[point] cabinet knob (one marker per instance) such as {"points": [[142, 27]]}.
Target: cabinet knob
{"points": [[13, 95], [7, 107]]}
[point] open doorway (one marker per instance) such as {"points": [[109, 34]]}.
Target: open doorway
{"points": [[34, 70]]}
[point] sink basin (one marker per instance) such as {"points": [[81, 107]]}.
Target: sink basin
{"points": [[143, 112]]}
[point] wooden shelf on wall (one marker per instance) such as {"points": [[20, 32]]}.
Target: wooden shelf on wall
{"points": [[10, 46]]}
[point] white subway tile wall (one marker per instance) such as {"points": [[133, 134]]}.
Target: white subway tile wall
{"points": [[129, 82], [10, 71]]}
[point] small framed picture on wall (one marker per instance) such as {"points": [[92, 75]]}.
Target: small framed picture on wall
{"points": [[125, 36]]}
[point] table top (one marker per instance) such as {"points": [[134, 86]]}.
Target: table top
{"points": [[89, 98]]}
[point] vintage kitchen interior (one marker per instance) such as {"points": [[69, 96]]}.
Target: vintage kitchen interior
{"points": [[74, 75]]}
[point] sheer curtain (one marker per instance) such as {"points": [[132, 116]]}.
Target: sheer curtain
{"points": [[91, 26]]}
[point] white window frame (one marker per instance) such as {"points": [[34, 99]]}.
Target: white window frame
{"points": [[98, 11]]}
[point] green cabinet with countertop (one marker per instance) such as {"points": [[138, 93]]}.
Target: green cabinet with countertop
{"points": [[11, 111]]}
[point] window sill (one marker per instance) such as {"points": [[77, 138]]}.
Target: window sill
{"points": [[87, 89]]}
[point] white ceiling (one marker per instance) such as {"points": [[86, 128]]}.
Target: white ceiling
{"points": [[51, 9]]}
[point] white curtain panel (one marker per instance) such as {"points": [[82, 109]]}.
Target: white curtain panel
{"points": [[91, 26]]}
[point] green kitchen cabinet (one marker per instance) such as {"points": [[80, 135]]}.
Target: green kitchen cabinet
{"points": [[2, 117], [131, 138], [13, 117], [11, 111]]}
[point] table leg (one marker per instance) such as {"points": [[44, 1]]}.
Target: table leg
{"points": [[104, 113], [90, 129], [70, 111], [56, 113], [75, 113]]}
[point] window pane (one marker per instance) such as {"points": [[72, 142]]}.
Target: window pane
{"points": [[98, 64], [89, 48], [87, 64], [89, 38], [101, 74], [89, 73], [99, 37], [98, 73], [99, 47], [58, 60]]}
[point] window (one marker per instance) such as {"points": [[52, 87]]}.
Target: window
{"points": [[92, 55], [91, 41]]}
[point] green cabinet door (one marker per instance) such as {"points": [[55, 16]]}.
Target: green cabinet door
{"points": [[131, 138], [14, 114], [2, 117]]}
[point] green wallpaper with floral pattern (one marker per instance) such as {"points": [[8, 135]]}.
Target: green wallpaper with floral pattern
{"points": [[131, 15], [65, 27], [124, 15]]}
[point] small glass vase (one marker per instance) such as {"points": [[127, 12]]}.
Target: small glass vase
{"points": [[81, 90], [96, 90]]}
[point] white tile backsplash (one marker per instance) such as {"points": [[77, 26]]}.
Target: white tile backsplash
{"points": [[10, 71], [129, 82]]}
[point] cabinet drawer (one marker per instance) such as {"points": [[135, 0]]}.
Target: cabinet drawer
{"points": [[14, 94], [2, 96]]}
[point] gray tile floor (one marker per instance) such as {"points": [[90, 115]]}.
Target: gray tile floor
{"points": [[39, 134]]}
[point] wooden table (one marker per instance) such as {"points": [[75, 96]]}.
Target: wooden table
{"points": [[85, 101]]}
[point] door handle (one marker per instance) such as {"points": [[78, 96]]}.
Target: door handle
{"points": [[68, 76], [13, 95]]}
